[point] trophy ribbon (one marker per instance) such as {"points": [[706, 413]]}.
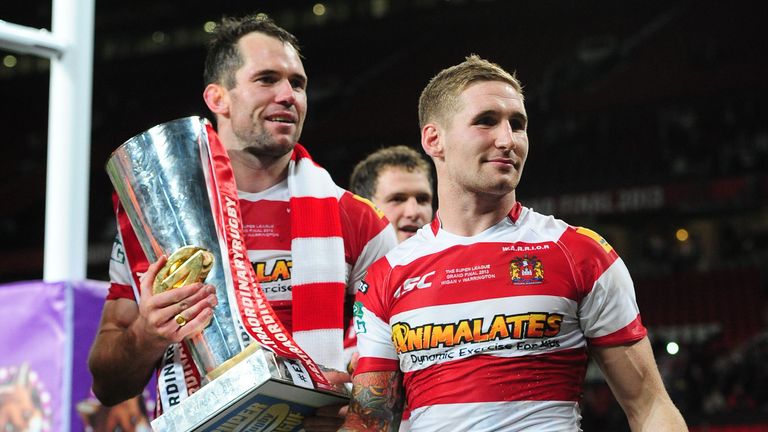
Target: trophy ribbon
{"points": [[257, 316], [175, 195]]}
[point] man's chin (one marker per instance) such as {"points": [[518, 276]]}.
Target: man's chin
{"points": [[271, 152], [275, 149], [283, 141], [272, 143], [282, 135]]}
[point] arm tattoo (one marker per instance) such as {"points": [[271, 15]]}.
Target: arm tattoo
{"points": [[377, 402]]}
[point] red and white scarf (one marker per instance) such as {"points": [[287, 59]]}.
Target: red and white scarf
{"points": [[319, 269]]}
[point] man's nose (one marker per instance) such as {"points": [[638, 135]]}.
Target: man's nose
{"points": [[284, 93], [505, 137], [411, 207]]}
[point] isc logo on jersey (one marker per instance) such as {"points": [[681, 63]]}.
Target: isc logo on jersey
{"points": [[410, 284]]}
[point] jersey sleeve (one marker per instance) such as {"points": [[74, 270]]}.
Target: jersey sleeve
{"points": [[367, 234], [120, 285], [608, 312], [127, 261], [371, 320]]}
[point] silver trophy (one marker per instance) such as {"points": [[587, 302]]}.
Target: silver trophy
{"points": [[158, 176], [163, 180]]}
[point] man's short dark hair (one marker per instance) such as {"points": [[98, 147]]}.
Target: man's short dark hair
{"points": [[366, 173], [223, 58]]}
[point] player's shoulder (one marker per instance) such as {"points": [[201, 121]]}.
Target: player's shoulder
{"points": [[420, 245], [582, 239], [546, 226], [358, 213], [583, 242], [363, 227], [572, 237], [354, 204]]}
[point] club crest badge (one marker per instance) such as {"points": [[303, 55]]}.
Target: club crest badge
{"points": [[526, 270]]}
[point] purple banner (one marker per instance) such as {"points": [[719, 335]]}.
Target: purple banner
{"points": [[47, 331], [32, 355]]}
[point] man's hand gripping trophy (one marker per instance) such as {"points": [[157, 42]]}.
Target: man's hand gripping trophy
{"points": [[175, 303], [187, 265]]}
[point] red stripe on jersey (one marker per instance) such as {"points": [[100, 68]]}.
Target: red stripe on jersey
{"points": [[558, 279], [314, 209], [591, 255], [514, 214], [485, 378], [131, 246], [283, 311], [118, 291], [633, 331], [373, 297], [375, 364], [327, 293], [359, 224], [266, 224]]}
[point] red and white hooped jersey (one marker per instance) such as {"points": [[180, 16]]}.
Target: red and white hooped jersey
{"points": [[491, 331], [366, 233]]}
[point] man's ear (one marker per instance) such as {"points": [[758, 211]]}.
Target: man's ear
{"points": [[431, 140], [217, 99]]}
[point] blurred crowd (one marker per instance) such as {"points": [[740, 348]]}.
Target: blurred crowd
{"points": [[712, 385]]}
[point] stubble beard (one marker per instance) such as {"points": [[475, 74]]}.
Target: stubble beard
{"points": [[490, 186], [262, 144]]}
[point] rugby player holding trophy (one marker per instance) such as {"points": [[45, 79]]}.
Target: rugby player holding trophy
{"points": [[257, 209]]}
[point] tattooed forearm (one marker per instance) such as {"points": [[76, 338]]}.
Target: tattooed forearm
{"points": [[377, 402]]}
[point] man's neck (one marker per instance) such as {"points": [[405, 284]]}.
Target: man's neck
{"points": [[258, 173], [468, 213]]}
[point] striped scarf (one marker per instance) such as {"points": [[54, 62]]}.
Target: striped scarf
{"points": [[319, 270]]}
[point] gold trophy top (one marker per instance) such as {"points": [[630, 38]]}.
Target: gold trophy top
{"points": [[186, 265]]}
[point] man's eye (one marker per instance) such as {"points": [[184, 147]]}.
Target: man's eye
{"points": [[517, 124], [486, 121], [298, 84], [266, 79]]}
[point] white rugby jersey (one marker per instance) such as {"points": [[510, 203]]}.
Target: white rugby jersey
{"points": [[491, 331]]}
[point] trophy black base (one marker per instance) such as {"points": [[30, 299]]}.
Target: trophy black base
{"points": [[254, 394]]}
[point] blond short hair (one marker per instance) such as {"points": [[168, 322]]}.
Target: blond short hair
{"points": [[441, 95]]}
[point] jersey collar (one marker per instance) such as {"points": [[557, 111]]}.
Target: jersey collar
{"points": [[513, 215]]}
